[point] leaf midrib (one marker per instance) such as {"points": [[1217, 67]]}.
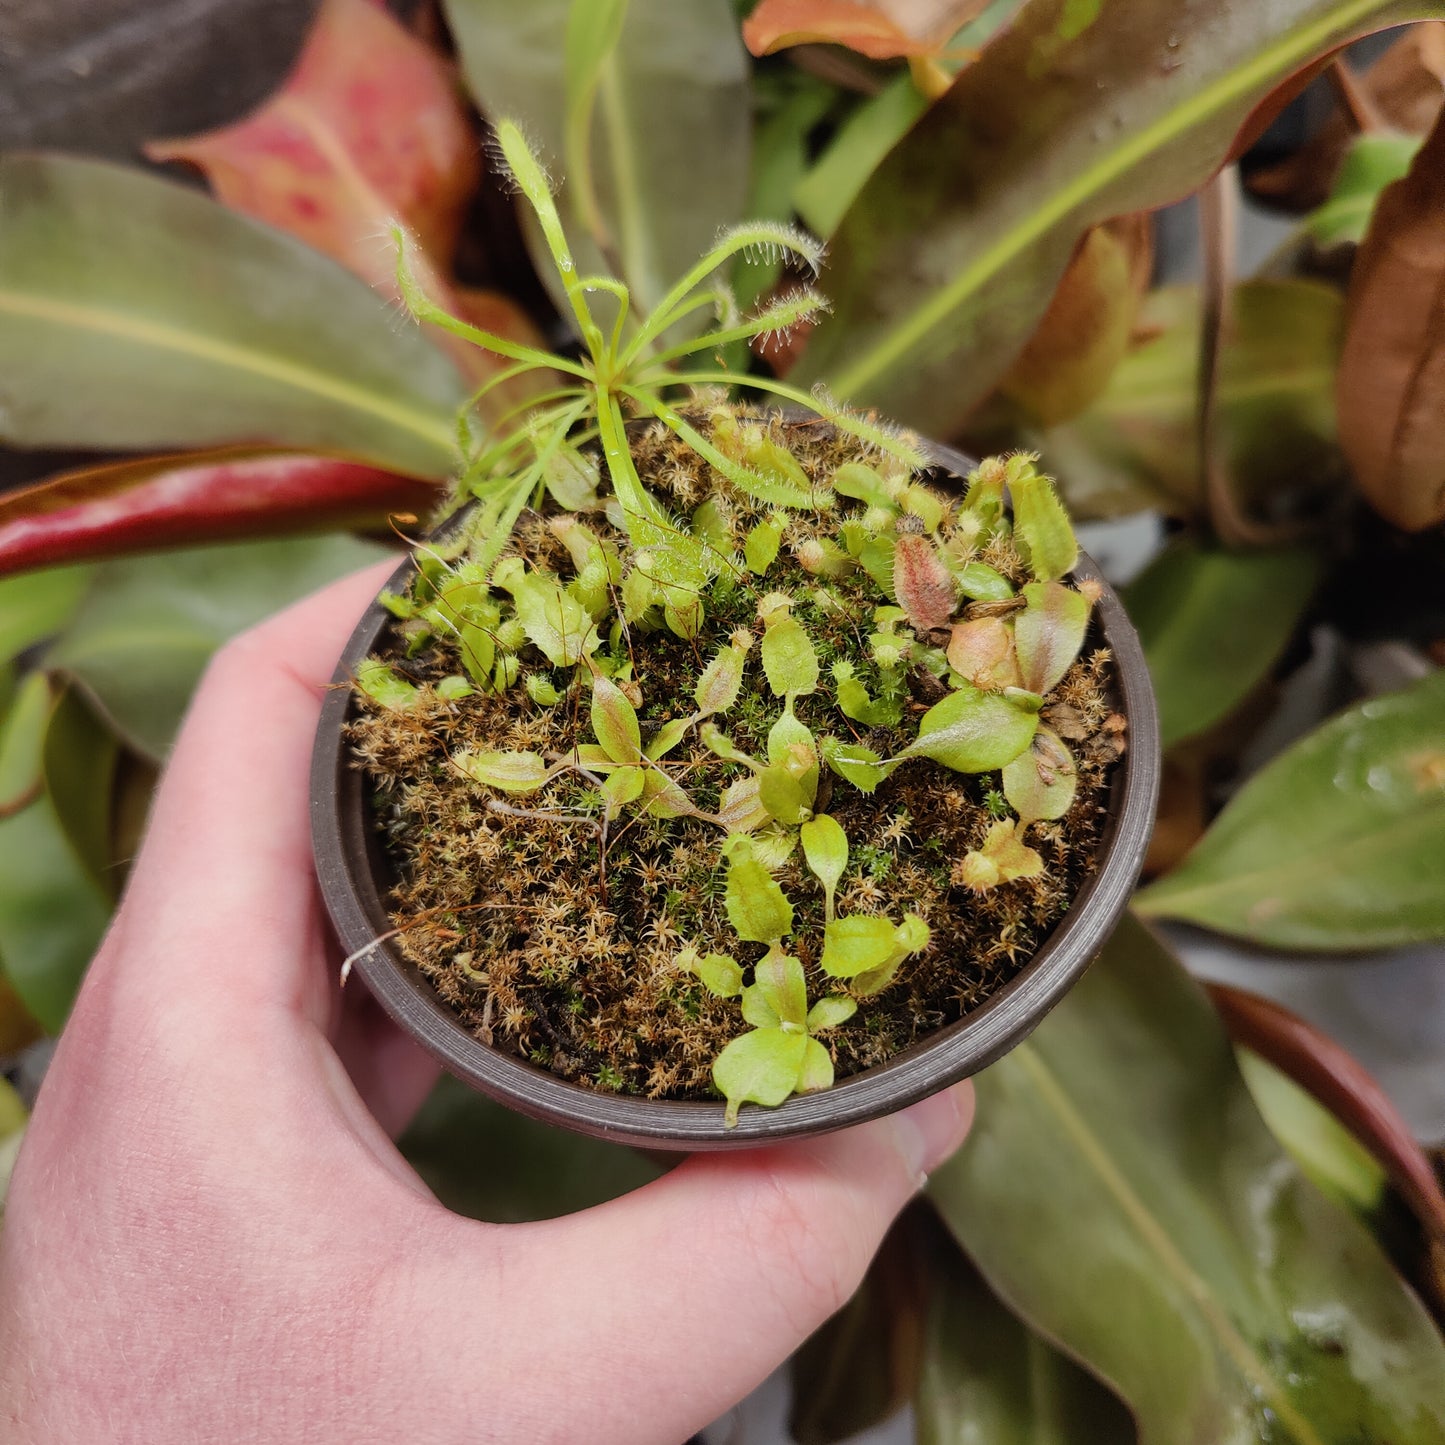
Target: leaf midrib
{"points": [[1232, 1343], [1258, 70], [1393, 829], [104, 321]]}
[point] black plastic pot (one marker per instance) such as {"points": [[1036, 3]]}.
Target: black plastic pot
{"points": [[349, 866]]}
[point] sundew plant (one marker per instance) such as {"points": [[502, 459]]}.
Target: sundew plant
{"points": [[680, 723]]}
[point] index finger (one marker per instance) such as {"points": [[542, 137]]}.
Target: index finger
{"points": [[226, 861]]}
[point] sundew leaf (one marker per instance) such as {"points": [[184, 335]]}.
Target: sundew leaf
{"points": [[1162, 1237], [954, 247], [789, 661], [512, 772], [1213, 623], [973, 732], [1337, 844], [135, 313]]}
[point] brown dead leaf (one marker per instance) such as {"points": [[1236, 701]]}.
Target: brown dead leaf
{"points": [[1390, 389], [1089, 324]]}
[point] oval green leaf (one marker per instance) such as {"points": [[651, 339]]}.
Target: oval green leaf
{"points": [[1339, 843], [1213, 623], [135, 313], [973, 732]]}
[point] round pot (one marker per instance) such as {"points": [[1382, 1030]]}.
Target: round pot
{"points": [[350, 870]]}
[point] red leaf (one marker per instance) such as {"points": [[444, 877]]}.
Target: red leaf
{"points": [[1344, 1086], [188, 498], [368, 127]]}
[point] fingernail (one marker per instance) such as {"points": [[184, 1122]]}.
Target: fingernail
{"points": [[930, 1130]]}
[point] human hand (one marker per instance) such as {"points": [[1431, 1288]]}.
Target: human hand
{"points": [[210, 1236]]}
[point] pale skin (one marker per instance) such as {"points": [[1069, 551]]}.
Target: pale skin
{"points": [[210, 1236]]}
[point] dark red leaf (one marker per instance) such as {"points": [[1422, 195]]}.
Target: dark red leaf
{"points": [[189, 498]]}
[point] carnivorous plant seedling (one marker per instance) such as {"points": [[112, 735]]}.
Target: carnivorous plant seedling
{"points": [[692, 731]]}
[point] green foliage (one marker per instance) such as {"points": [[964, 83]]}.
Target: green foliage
{"points": [[1339, 843], [1214, 1318], [781, 1056]]}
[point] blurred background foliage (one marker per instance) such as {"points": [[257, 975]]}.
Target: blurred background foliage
{"points": [[1195, 255]]}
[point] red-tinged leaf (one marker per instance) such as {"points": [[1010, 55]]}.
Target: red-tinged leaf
{"points": [[1089, 324], [192, 497], [883, 31], [368, 127], [1344, 1086], [943, 265], [1390, 388]]}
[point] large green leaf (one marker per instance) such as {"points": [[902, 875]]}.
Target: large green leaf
{"points": [[1212, 622], [1339, 843], [137, 313], [489, 1163], [987, 1377], [670, 135], [1121, 1192], [949, 256], [52, 913], [79, 761], [1137, 445], [149, 625], [36, 607]]}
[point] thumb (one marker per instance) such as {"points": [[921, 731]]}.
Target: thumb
{"points": [[665, 1307]]}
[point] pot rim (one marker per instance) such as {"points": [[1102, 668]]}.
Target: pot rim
{"points": [[344, 853]]}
